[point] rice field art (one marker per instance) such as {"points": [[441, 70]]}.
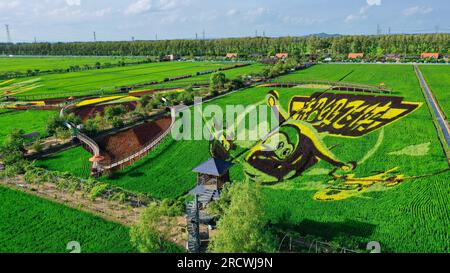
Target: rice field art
{"points": [[349, 154], [296, 144]]}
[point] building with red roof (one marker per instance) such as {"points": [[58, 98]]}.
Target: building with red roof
{"points": [[355, 55], [231, 55], [428, 55], [282, 55]]}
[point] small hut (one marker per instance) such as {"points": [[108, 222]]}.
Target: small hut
{"points": [[231, 55], [213, 174], [355, 55], [282, 55], [428, 55]]}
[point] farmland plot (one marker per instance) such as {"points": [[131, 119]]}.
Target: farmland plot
{"points": [[74, 161], [29, 121], [437, 77], [34, 225], [82, 83], [410, 216], [23, 64]]}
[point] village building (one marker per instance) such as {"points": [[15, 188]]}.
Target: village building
{"points": [[282, 55], [231, 55], [427, 55], [392, 57], [171, 57], [355, 55]]}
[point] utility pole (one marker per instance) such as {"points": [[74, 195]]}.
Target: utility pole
{"points": [[156, 37], [8, 34], [256, 33], [436, 29], [95, 37], [132, 38], [389, 30], [35, 40], [196, 36], [264, 33], [378, 30], [204, 35]]}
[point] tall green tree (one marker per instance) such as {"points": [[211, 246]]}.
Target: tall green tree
{"points": [[153, 231], [217, 83], [243, 226]]}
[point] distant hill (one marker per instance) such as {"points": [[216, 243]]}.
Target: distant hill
{"points": [[323, 35]]}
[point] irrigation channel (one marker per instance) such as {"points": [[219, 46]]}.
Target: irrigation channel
{"points": [[433, 104]]}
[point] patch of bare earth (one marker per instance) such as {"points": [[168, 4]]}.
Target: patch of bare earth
{"points": [[125, 143]]}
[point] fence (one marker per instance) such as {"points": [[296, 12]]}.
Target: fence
{"points": [[342, 86], [132, 157]]}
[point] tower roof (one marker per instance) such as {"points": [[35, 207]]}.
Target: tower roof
{"points": [[213, 166]]}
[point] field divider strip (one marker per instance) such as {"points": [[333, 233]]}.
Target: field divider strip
{"points": [[439, 120]]}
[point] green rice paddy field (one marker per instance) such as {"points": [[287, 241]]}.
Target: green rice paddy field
{"points": [[85, 82], [66, 160], [23, 64], [410, 217], [31, 224], [438, 79], [30, 121]]}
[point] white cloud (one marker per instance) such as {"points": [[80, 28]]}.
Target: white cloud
{"points": [[142, 6], [374, 2], [232, 12], [363, 11], [73, 2], [138, 7], [9, 5], [300, 20], [102, 12], [416, 10]]}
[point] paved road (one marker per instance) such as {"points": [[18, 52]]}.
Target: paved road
{"points": [[444, 127]]}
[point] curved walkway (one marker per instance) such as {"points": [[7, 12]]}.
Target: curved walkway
{"points": [[96, 149], [144, 150]]}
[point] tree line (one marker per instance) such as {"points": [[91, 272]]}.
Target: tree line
{"points": [[256, 47]]}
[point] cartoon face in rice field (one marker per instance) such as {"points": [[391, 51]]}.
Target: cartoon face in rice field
{"points": [[287, 153], [297, 144]]}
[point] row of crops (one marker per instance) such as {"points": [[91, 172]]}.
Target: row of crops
{"points": [[29, 121], [104, 79], [409, 217], [438, 80], [389, 215], [24, 64], [33, 225]]}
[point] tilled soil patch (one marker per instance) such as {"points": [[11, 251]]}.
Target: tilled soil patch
{"points": [[90, 111], [123, 144]]}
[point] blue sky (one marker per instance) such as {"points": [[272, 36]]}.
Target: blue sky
{"points": [[75, 20]]}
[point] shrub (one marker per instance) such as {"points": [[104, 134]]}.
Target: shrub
{"points": [[152, 233], [37, 146]]}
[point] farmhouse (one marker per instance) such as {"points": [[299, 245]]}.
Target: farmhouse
{"points": [[355, 55], [392, 57], [428, 55], [171, 57], [231, 55], [282, 55]]}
